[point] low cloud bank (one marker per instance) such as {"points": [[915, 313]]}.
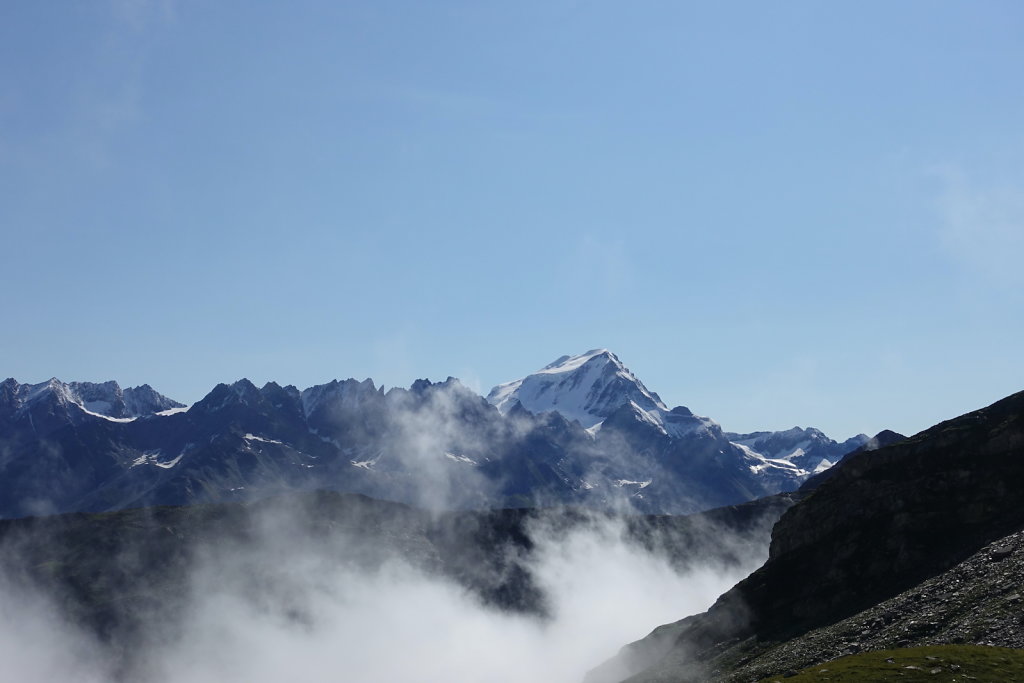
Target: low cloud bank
{"points": [[286, 606]]}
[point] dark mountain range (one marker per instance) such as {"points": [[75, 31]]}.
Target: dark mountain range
{"points": [[885, 522], [582, 430]]}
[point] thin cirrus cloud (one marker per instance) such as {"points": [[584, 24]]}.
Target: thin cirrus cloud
{"points": [[982, 227]]}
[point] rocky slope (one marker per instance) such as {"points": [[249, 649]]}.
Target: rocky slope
{"points": [[979, 601], [885, 522]]}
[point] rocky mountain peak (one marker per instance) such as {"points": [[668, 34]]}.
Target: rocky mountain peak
{"points": [[242, 392], [339, 396], [145, 400]]}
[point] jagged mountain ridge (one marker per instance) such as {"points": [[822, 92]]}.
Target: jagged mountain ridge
{"points": [[433, 444], [104, 399]]}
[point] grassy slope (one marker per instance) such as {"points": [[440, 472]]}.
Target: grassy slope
{"points": [[936, 663]]}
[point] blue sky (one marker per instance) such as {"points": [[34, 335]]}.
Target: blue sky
{"points": [[775, 213]]}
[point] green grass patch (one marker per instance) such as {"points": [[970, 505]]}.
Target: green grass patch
{"points": [[934, 663]]}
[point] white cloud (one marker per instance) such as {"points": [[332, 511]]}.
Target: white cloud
{"points": [[599, 267], [982, 227], [36, 645], [294, 608], [138, 14]]}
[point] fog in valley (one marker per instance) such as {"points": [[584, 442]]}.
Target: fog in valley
{"points": [[284, 604]]}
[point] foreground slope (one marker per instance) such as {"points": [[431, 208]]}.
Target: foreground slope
{"points": [[977, 601], [935, 664], [886, 521]]}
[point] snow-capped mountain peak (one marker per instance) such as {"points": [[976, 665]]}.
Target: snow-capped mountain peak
{"points": [[100, 399], [808, 449], [588, 388], [570, 363]]}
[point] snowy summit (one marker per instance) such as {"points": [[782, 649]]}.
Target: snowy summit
{"points": [[588, 388]]}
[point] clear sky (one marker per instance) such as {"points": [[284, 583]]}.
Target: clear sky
{"points": [[775, 213]]}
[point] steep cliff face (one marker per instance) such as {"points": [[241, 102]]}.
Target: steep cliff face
{"points": [[893, 517], [886, 521]]}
